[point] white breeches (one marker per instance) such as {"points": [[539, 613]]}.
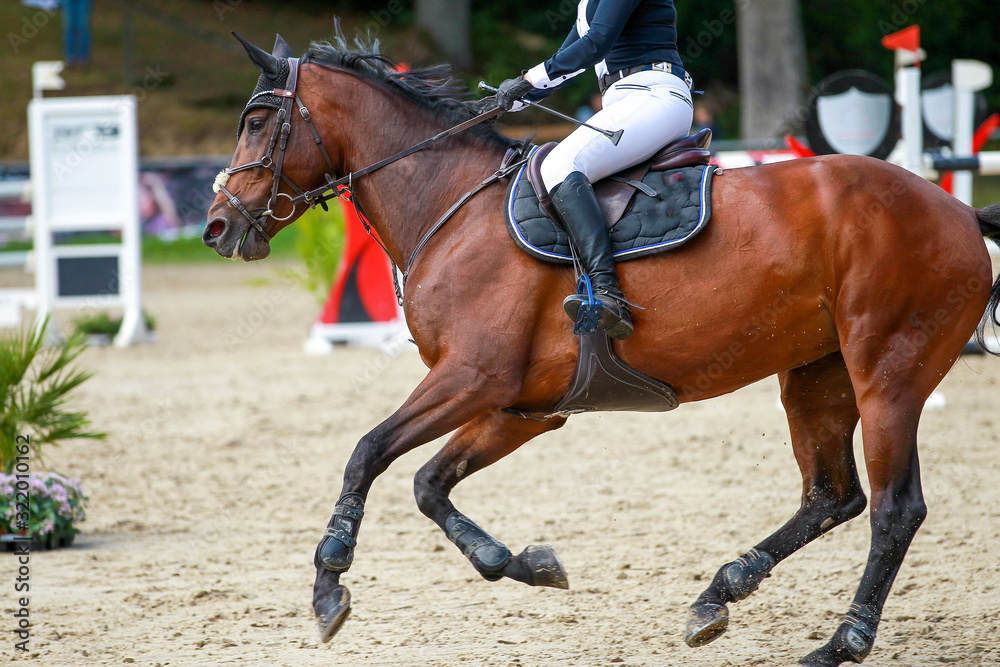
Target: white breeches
{"points": [[653, 108]]}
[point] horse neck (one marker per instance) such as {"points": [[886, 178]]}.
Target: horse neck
{"points": [[404, 199]]}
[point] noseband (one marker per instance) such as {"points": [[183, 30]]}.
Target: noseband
{"points": [[279, 140]]}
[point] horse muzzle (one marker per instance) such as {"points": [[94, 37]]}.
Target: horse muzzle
{"points": [[235, 239]]}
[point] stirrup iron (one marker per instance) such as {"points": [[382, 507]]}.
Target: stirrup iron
{"points": [[589, 315]]}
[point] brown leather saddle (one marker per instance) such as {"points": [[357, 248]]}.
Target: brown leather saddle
{"points": [[616, 192]]}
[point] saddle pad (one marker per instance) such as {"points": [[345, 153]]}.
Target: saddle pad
{"points": [[681, 209]]}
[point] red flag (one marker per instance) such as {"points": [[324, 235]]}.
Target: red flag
{"points": [[797, 147], [907, 39]]}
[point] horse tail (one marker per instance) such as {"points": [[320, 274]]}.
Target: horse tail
{"points": [[989, 224], [989, 220]]}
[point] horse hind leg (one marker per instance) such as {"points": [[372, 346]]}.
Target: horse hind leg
{"points": [[822, 415], [893, 389], [478, 444]]}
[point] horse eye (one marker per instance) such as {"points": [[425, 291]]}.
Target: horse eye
{"points": [[256, 125]]}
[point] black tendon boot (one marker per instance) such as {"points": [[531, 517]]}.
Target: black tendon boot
{"points": [[576, 203]]}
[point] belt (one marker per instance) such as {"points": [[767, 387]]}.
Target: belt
{"points": [[607, 80]]}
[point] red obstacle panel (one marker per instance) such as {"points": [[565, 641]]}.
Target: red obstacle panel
{"points": [[362, 291], [362, 306]]}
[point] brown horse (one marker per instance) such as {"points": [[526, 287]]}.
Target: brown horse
{"points": [[855, 281]]}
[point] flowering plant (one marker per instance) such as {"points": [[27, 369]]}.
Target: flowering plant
{"points": [[55, 504]]}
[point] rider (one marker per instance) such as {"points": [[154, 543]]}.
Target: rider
{"points": [[632, 45]]}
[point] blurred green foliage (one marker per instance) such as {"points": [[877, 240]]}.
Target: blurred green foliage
{"points": [[847, 34], [101, 323], [319, 242], [35, 385], [840, 35], [186, 249], [193, 110]]}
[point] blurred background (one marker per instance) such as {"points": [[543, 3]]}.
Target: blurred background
{"points": [[224, 427], [203, 76], [756, 62]]}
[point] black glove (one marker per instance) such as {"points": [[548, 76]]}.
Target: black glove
{"points": [[511, 91]]}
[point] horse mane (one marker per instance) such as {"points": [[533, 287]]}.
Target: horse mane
{"points": [[431, 88]]}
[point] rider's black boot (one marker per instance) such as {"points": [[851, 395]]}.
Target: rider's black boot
{"points": [[576, 203]]}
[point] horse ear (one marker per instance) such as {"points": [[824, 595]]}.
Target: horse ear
{"points": [[281, 48], [265, 62]]}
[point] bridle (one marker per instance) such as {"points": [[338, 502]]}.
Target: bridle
{"points": [[279, 140], [344, 186]]}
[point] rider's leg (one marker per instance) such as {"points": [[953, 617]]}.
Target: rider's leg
{"points": [[652, 108], [577, 205]]}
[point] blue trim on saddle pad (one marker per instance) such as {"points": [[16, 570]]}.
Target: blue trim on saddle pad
{"points": [[678, 214]]}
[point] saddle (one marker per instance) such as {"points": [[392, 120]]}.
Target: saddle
{"points": [[646, 210], [616, 192], [602, 381]]}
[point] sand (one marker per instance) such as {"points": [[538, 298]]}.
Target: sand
{"points": [[225, 450]]}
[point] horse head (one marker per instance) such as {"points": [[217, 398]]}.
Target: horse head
{"points": [[275, 161]]}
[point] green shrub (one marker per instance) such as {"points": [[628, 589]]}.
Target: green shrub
{"points": [[320, 243], [35, 384], [102, 323]]}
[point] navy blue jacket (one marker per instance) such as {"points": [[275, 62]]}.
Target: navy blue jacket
{"points": [[622, 33]]}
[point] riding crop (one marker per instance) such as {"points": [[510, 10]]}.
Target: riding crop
{"points": [[615, 137]]}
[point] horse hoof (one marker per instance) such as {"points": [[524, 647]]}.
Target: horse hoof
{"points": [[332, 612], [821, 657], [849, 644], [545, 567], [705, 623]]}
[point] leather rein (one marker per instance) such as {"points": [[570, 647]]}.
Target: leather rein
{"points": [[344, 186]]}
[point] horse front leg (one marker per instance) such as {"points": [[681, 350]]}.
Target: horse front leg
{"points": [[451, 395], [481, 443]]}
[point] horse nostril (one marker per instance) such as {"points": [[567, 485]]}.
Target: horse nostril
{"points": [[213, 231]]}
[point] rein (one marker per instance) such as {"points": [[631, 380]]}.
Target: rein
{"points": [[342, 187], [507, 165]]}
